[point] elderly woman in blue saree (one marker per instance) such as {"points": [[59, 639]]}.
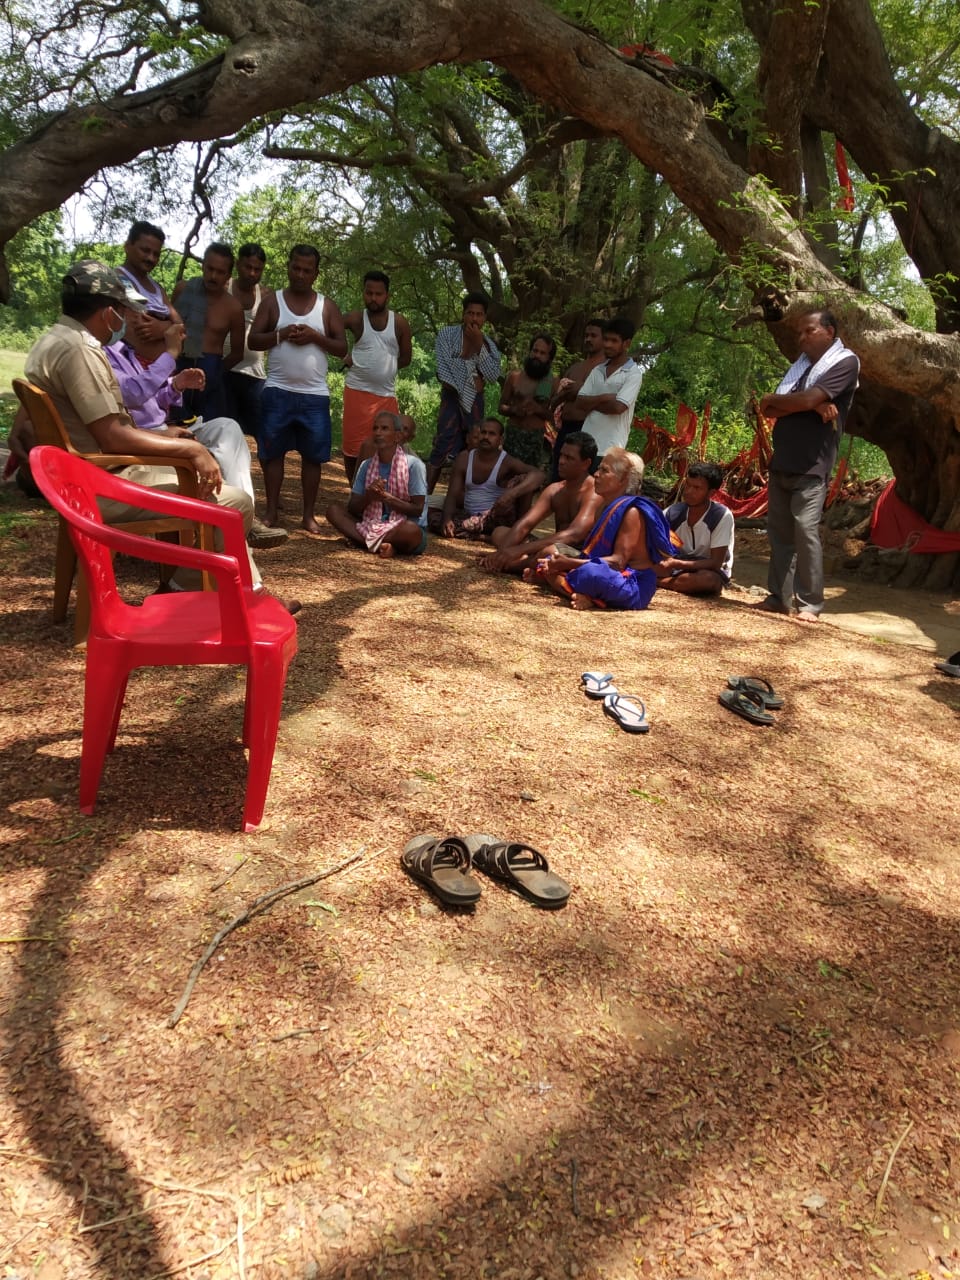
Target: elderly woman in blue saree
{"points": [[630, 536]]}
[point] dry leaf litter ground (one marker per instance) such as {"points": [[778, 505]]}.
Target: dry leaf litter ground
{"points": [[735, 1052]]}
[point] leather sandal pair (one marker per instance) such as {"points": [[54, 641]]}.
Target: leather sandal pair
{"points": [[444, 864], [751, 697]]}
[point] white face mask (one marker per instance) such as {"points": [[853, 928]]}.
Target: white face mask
{"points": [[117, 335]]}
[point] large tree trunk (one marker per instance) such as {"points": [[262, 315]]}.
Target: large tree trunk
{"points": [[282, 52]]}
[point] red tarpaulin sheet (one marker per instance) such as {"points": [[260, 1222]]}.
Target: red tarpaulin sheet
{"points": [[745, 508], [894, 524]]}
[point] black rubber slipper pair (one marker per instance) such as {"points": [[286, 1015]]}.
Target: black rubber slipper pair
{"points": [[629, 713], [443, 865], [751, 697]]}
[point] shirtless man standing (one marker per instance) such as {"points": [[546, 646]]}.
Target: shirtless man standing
{"points": [[301, 329], [572, 501], [525, 401], [210, 316], [568, 388]]}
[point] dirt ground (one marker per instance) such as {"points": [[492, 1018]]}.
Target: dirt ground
{"points": [[734, 1053]]}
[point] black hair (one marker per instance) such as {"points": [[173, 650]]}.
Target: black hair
{"points": [[828, 320], [81, 306], [584, 443], [708, 471], [377, 277], [145, 229], [544, 337], [252, 251], [622, 326], [596, 323], [221, 250], [491, 418], [476, 298], [304, 251]]}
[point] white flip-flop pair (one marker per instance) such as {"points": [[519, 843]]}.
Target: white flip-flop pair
{"points": [[629, 713]]}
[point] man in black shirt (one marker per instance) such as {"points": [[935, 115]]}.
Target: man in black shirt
{"points": [[810, 407]]}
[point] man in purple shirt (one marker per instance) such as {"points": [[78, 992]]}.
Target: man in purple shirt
{"points": [[149, 391]]}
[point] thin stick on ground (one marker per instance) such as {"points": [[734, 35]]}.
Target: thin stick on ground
{"points": [[356, 1061], [230, 874], [886, 1173], [256, 908]]}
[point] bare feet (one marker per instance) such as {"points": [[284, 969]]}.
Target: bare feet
{"points": [[804, 615], [309, 523], [385, 551], [529, 575], [581, 602]]}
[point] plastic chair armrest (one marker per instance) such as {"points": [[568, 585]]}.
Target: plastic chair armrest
{"points": [[229, 570], [186, 472], [203, 512]]}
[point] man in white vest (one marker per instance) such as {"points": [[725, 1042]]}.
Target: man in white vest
{"points": [[299, 329], [382, 345]]}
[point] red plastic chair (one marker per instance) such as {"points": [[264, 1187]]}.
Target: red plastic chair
{"points": [[234, 626]]}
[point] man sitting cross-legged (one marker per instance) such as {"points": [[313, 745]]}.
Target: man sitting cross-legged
{"points": [[616, 570], [703, 563], [480, 495], [408, 429], [573, 502], [386, 512]]}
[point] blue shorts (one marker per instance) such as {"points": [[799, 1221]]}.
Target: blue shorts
{"points": [[293, 420]]}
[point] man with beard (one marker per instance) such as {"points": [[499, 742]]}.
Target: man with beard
{"points": [[568, 388], [525, 401], [382, 345], [300, 329], [573, 503], [487, 488], [466, 360]]}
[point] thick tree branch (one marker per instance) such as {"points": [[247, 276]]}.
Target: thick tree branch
{"points": [[286, 52]]}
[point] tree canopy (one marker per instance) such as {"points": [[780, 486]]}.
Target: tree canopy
{"points": [[739, 128]]}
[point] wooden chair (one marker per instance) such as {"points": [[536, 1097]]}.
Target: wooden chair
{"points": [[236, 625], [49, 429]]}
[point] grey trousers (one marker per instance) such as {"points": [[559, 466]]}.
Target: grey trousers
{"points": [[793, 527], [225, 440]]}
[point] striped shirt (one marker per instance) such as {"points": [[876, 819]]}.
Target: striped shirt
{"points": [[459, 371]]}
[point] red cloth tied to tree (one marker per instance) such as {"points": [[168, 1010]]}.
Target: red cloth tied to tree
{"points": [[894, 524]]}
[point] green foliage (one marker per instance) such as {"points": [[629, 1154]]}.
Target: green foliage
{"points": [[37, 259]]}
